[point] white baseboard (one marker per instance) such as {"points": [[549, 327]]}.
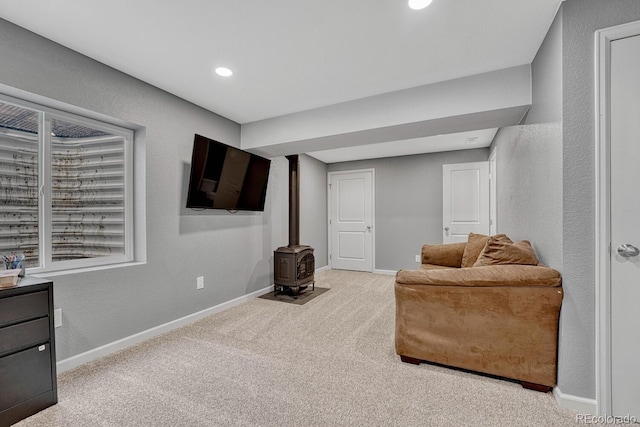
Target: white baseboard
{"points": [[88, 356], [321, 269], [375, 270], [387, 272], [575, 403]]}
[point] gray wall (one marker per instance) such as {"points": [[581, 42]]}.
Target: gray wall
{"points": [[529, 187], [313, 207], [232, 252], [580, 19], [408, 198]]}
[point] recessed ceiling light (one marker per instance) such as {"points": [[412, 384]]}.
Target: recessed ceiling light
{"points": [[419, 4], [224, 72]]}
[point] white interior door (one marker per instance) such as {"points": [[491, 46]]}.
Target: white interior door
{"points": [[351, 220], [625, 229], [465, 200]]}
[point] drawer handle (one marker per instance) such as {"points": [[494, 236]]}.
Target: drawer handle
{"points": [[42, 348]]}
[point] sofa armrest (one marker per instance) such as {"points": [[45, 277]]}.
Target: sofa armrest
{"points": [[448, 254], [491, 275]]}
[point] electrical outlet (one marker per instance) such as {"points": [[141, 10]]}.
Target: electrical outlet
{"points": [[417, 258], [57, 317], [200, 282]]}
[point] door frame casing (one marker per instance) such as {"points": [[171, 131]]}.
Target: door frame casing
{"points": [[373, 213], [602, 41]]}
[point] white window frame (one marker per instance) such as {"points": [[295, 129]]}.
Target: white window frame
{"points": [[46, 114]]}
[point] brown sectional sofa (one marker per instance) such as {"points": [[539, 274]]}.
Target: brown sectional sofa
{"points": [[492, 316]]}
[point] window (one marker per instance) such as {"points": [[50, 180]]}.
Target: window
{"points": [[66, 188]]}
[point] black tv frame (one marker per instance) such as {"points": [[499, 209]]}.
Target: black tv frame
{"points": [[214, 177]]}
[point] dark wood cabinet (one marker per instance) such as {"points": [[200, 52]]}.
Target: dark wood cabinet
{"points": [[27, 350]]}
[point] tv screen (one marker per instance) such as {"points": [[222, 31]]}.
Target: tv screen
{"points": [[225, 177]]}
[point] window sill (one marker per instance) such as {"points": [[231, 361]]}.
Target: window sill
{"points": [[47, 274]]}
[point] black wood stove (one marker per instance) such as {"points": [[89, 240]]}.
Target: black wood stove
{"points": [[294, 265]]}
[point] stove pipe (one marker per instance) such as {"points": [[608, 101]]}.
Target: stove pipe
{"points": [[294, 200]]}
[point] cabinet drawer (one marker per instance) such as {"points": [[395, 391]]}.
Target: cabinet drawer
{"points": [[23, 307], [24, 375], [22, 335]]}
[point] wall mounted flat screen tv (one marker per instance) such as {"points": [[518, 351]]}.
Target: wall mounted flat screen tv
{"points": [[225, 177]]}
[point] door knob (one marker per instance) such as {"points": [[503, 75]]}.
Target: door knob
{"points": [[628, 251], [369, 228], [446, 229]]}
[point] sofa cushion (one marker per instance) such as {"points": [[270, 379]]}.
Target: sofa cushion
{"points": [[488, 275], [499, 251], [446, 255], [475, 245]]}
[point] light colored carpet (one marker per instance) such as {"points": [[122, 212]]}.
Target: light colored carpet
{"points": [[330, 362]]}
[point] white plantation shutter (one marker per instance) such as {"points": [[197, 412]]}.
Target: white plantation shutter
{"points": [[87, 190], [65, 197], [19, 196]]}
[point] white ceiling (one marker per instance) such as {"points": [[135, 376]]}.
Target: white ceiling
{"points": [[291, 55]]}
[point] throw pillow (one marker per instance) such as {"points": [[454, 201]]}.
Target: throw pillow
{"points": [[475, 245], [502, 252]]}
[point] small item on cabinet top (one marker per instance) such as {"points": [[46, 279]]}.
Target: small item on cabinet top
{"points": [[14, 261], [9, 278]]}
